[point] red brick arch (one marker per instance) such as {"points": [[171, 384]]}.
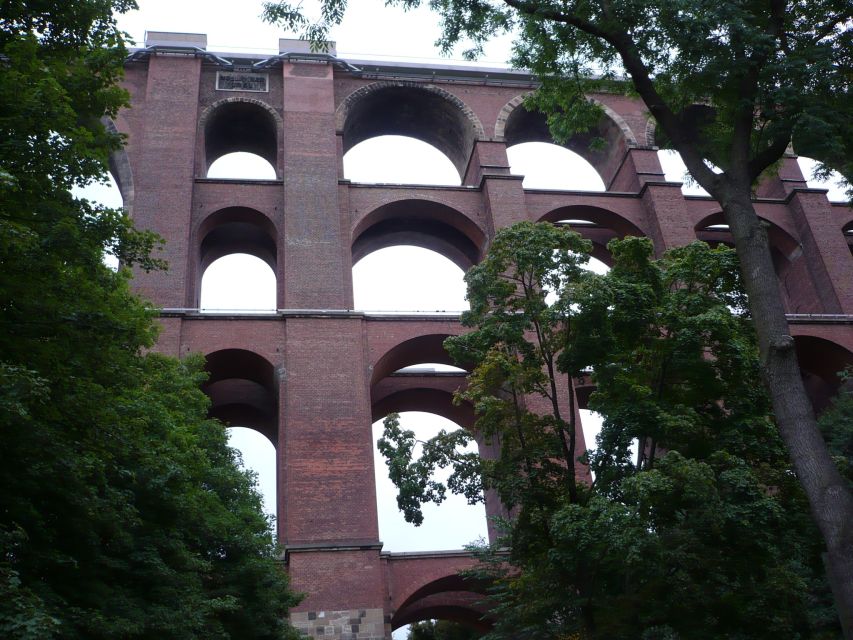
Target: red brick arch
{"points": [[421, 223]]}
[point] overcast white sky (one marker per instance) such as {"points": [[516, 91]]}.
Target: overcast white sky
{"points": [[383, 280]]}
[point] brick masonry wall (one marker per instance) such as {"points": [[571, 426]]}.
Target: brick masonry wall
{"points": [[330, 370]]}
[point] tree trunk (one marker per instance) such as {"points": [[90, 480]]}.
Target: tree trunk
{"points": [[829, 497]]}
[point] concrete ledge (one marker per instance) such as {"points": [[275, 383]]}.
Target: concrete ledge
{"points": [[175, 39]]}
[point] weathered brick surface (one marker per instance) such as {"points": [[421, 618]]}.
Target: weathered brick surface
{"points": [[324, 376]]}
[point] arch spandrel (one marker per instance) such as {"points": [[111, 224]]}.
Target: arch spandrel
{"points": [[417, 110]]}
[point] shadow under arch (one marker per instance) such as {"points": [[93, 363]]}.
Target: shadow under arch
{"points": [[427, 113], [847, 230], [786, 244], [595, 224], [424, 399], [820, 362], [792, 270], [118, 164], [452, 598], [420, 223], [231, 125], [424, 348], [515, 125], [243, 391], [119, 167]]}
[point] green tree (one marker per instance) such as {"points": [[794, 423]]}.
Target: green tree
{"points": [[123, 511], [706, 534], [837, 426], [767, 71], [441, 630]]}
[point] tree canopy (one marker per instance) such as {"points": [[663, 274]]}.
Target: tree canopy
{"points": [[693, 526], [124, 513], [729, 84]]}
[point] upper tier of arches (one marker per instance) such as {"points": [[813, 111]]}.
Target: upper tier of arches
{"points": [[240, 125]]}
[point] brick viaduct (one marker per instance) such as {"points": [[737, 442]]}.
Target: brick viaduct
{"points": [[314, 375]]}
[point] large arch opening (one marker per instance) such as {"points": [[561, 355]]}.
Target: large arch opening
{"points": [[408, 279], [848, 235], [451, 525], [394, 159], [237, 258], [795, 281], [238, 282], [549, 166], [243, 392], [257, 454], [602, 149], [235, 126], [241, 166], [453, 598], [420, 223], [430, 115], [416, 380], [411, 255], [598, 225]]}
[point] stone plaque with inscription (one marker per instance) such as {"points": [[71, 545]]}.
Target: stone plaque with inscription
{"points": [[242, 81]]}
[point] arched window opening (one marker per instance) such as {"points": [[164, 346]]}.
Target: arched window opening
{"points": [[258, 455], [238, 282], [450, 525], [550, 166], [603, 147], [408, 279], [240, 126], [399, 160], [675, 170], [834, 182], [848, 235], [241, 166], [429, 114]]}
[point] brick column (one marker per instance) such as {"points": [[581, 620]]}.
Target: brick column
{"points": [[328, 522], [315, 268], [503, 195], [824, 248], [164, 173]]}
